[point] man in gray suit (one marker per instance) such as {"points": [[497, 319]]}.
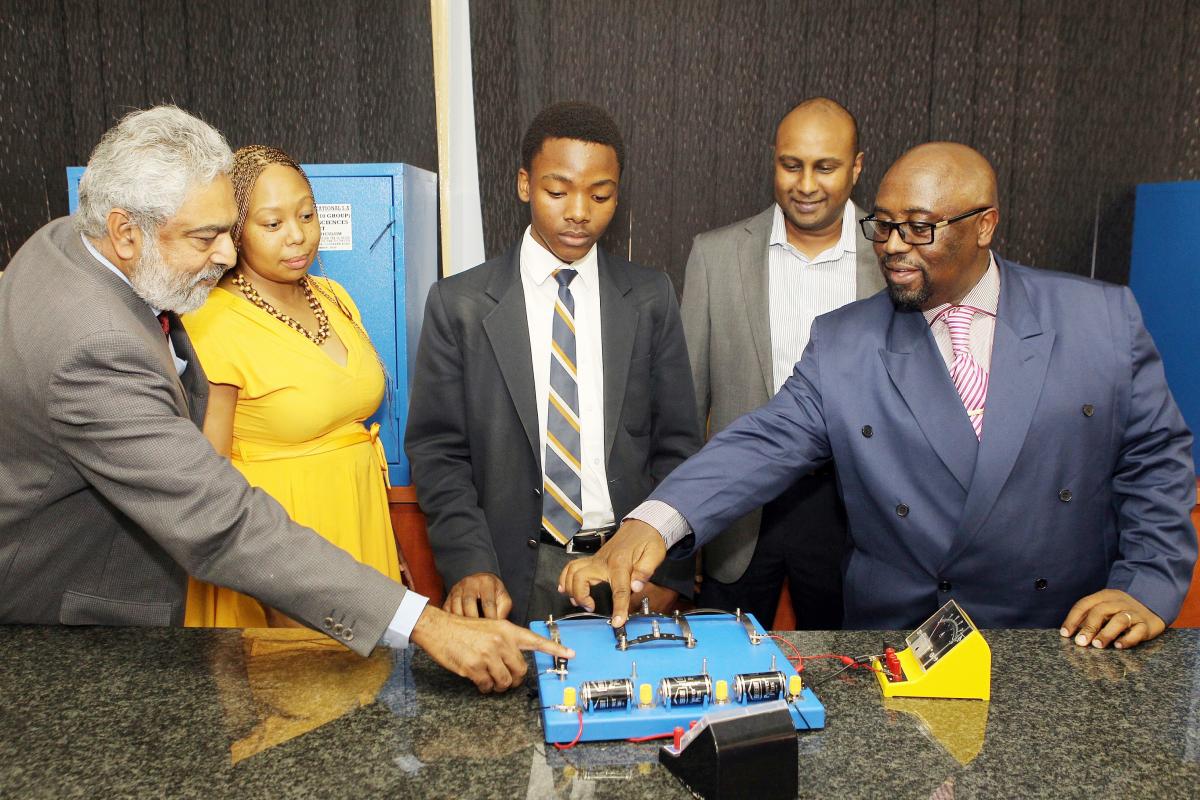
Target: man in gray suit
{"points": [[109, 493], [751, 291]]}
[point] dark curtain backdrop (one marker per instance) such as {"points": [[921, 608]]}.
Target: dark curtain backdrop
{"points": [[1073, 101], [326, 81]]}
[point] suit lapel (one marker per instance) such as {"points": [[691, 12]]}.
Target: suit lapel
{"points": [[507, 329], [1020, 357], [619, 323], [754, 266], [142, 314], [194, 382], [920, 375]]}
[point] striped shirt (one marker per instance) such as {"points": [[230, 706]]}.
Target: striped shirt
{"points": [[984, 295], [800, 289]]}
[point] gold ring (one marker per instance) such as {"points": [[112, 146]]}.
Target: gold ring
{"points": [[1130, 618]]}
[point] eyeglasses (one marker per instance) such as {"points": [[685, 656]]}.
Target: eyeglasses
{"points": [[880, 230]]}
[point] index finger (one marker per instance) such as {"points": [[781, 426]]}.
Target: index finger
{"points": [[528, 640], [618, 581]]}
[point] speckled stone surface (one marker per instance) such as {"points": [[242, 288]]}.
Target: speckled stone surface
{"points": [[190, 713]]}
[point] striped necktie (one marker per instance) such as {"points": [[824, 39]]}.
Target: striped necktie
{"points": [[969, 377], [562, 498]]}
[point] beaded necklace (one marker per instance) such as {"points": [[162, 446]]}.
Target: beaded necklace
{"points": [[255, 298]]}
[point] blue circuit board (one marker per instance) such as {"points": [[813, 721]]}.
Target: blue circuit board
{"points": [[724, 647]]}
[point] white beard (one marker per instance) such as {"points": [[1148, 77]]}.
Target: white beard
{"points": [[163, 288]]}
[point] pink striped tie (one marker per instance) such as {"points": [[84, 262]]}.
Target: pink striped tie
{"points": [[969, 377]]}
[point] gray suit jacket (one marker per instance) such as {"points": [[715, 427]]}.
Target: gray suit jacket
{"points": [[727, 322], [109, 493], [473, 436]]}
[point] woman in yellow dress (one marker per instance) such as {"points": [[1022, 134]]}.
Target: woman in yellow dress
{"points": [[292, 379]]}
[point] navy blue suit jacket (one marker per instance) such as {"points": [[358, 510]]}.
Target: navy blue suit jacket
{"points": [[1083, 480]]}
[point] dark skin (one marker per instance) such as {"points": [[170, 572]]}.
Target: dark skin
{"points": [[571, 188], [931, 183]]}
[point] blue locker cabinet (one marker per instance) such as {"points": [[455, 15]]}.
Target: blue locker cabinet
{"points": [[379, 240], [1164, 274]]}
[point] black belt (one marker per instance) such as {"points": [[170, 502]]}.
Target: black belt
{"points": [[584, 542]]}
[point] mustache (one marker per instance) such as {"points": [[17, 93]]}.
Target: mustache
{"points": [[898, 261], [213, 273]]}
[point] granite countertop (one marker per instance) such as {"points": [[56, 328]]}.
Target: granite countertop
{"points": [[123, 712]]}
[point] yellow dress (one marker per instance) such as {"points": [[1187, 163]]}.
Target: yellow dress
{"points": [[298, 434]]}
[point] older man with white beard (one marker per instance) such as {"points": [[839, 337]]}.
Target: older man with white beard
{"points": [[109, 493]]}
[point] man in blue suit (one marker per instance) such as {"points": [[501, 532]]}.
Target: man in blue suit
{"points": [[1003, 436]]}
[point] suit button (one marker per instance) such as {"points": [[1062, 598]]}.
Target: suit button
{"points": [[531, 543], [1088, 409], [902, 510], [348, 635], [867, 431], [1065, 495], [337, 628], [328, 623], [1039, 584], [944, 586]]}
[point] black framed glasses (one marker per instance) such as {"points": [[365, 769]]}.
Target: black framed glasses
{"points": [[880, 230]]}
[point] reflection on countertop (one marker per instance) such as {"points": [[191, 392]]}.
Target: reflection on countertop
{"points": [[287, 713]]}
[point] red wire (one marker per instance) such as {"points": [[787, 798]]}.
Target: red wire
{"points": [[793, 649], [578, 734]]}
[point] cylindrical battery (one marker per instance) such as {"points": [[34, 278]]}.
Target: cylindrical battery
{"points": [[688, 690], [606, 695], [754, 687]]}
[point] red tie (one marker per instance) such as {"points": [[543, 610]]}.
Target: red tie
{"points": [[165, 322]]}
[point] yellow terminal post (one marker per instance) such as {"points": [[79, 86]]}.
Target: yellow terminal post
{"points": [[569, 698], [645, 695], [795, 686], [722, 691]]}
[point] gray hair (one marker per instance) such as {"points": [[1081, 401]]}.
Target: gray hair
{"points": [[146, 164]]}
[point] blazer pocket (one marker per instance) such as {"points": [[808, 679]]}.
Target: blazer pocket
{"points": [[85, 609]]}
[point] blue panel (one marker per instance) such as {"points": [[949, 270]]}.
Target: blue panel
{"points": [[1164, 275], [73, 176], [391, 263], [721, 639]]}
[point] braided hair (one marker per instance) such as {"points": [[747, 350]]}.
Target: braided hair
{"points": [[249, 162]]}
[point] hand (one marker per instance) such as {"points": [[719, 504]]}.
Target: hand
{"points": [[486, 652], [626, 561], [1111, 616], [661, 599], [406, 577], [481, 589]]}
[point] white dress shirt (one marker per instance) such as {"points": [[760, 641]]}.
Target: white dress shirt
{"points": [[802, 288], [541, 293]]}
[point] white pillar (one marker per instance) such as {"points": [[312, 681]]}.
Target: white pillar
{"points": [[458, 165]]}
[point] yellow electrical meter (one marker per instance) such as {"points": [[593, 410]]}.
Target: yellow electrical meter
{"points": [[945, 657]]}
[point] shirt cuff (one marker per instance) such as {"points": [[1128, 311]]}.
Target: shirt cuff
{"points": [[401, 626], [669, 523]]}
